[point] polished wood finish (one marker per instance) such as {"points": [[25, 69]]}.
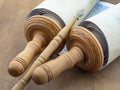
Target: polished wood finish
{"points": [[93, 54], [22, 60], [85, 51], [50, 70], [43, 57], [12, 41], [39, 31]]}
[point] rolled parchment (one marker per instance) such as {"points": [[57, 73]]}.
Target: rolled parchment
{"points": [[108, 22], [91, 46], [47, 18], [98, 8], [60, 11], [65, 9]]}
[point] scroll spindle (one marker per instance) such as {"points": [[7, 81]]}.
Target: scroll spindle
{"points": [[84, 50], [19, 64], [49, 70], [36, 30], [53, 45], [98, 41]]}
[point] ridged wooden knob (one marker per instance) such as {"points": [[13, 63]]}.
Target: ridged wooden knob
{"points": [[43, 57], [39, 31], [50, 70], [19, 64], [84, 51]]}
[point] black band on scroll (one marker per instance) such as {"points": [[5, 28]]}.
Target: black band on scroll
{"points": [[45, 12], [100, 36]]}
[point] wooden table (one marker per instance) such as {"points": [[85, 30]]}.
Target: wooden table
{"points": [[12, 41]]}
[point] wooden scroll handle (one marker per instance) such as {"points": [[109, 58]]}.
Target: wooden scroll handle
{"points": [[19, 64], [53, 45], [51, 69]]}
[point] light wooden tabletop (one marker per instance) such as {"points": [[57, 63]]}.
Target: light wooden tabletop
{"points": [[12, 41]]}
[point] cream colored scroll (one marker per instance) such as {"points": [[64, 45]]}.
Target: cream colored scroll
{"points": [[66, 9], [109, 23], [99, 7]]}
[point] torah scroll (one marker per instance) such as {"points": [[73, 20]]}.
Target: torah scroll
{"points": [[59, 12], [63, 10], [108, 22]]}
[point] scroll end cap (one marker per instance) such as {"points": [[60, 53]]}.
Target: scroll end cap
{"points": [[39, 76], [15, 68]]}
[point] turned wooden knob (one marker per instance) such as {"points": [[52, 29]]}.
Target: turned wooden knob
{"points": [[43, 57], [39, 31], [84, 50], [49, 70]]}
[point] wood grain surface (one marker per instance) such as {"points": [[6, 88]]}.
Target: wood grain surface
{"points": [[12, 41]]}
